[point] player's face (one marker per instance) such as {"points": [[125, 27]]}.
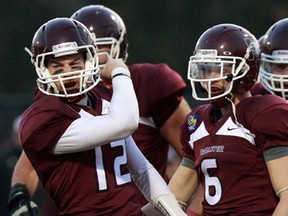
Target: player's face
{"points": [[63, 65], [279, 69], [213, 72]]}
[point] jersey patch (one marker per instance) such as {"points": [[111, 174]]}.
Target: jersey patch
{"points": [[192, 121]]}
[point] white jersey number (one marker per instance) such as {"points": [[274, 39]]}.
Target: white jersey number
{"points": [[120, 160], [211, 181]]}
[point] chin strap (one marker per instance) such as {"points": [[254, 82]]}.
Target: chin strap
{"points": [[246, 131]]}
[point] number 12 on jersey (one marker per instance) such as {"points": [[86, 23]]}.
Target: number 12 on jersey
{"points": [[118, 161]]}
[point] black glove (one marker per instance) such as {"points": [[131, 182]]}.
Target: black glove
{"points": [[20, 203]]}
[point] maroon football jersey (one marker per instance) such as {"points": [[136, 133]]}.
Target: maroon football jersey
{"points": [[258, 88], [94, 182], [229, 157], [159, 91]]}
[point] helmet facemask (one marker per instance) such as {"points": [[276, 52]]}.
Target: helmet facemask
{"points": [[114, 47], [206, 67], [275, 83], [89, 76]]}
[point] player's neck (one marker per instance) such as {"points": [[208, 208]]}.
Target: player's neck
{"points": [[76, 99]]}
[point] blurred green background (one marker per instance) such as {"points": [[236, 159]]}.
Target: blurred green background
{"points": [[158, 31]]}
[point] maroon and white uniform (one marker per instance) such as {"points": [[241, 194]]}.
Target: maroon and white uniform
{"points": [[159, 90], [50, 117], [226, 155], [83, 174], [92, 182]]}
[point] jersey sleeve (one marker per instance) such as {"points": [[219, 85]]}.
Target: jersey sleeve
{"points": [[258, 88], [159, 90], [146, 177], [42, 126], [271, 124], [184, 138], [188, 126]]}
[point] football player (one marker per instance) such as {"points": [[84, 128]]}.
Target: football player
{"points": [[159, 91], [273, 74], [237, 145], [76, 134]]}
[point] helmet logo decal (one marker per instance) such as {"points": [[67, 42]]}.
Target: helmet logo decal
{"points": [[65, 48], [206, 52], [251, 49], [248, 41], [280, 52], [93, 34]]}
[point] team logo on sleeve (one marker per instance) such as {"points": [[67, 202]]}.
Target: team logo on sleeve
{"points": [[192, 121]]}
